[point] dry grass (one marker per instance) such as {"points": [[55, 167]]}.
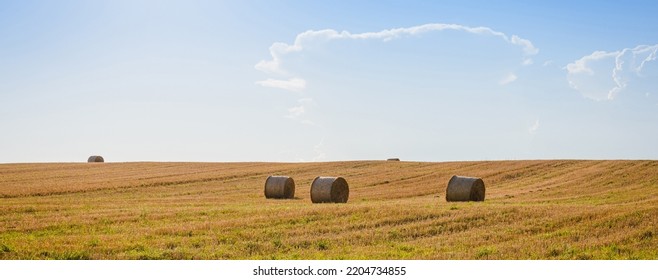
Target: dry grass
{"points": [[533, 210]]}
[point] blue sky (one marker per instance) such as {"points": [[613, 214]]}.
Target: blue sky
{"points": [[327, 80]]}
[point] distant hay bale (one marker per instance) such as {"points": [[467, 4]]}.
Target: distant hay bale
{"points": [[95, 159], [279, 187], [393, 159], [462, 188], [329, 190]]}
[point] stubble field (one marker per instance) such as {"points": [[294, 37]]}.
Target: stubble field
{"points": [[396, 210]]}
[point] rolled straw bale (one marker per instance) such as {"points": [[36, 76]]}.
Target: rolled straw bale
{"points": [[329, 189], [279, 187], [462, 188], [393, 159], [95, 159]]}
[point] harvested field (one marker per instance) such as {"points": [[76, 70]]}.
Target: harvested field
{"points": [[555, 209]]}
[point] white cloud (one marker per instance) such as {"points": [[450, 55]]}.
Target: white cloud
{"points": [[283, 71], [580, 65], [293, 84], [278, 50], [319, 151], [547, 63], [603, 75], [651, 57], [508, 79], [298, 112], [534, 127]]}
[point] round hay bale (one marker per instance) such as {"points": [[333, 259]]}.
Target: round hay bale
{"points": [[329, 190], [279, 187], [462, 188], [393, 159], [95, 159]]}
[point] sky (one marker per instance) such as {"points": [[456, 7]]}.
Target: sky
{"points": [[302, 81]]}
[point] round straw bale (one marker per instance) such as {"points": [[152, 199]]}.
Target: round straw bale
{"points": [[393, 159], [462, 188], [279, 187], [95, 159], [329, 189]]}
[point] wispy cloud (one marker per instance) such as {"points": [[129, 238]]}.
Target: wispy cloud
{"points": [[293, 84], [534, 127], [298, 112], [603, 75], [582, 65], [278, 50], [508, 79], [318, 149]]}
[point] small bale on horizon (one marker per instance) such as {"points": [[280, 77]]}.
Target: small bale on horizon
{"points": [[461, 188], [329, 190], [281, 187], [393, 159], [95, 159]]}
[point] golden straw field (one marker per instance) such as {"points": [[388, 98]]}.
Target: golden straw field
{"points": [[553, 209]]}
